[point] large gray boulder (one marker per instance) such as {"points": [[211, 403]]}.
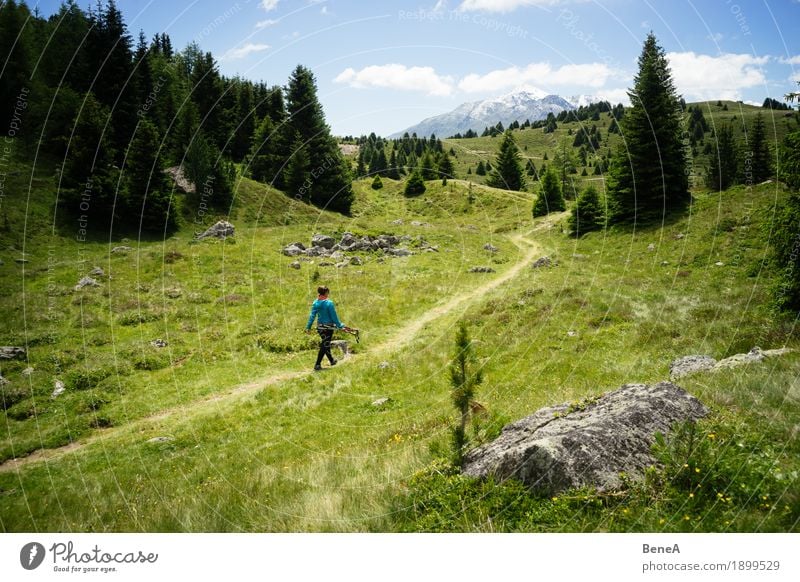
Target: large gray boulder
{"points": [[11, 352], [220, 229], [689, 365], [322, 240], [568, 446]]}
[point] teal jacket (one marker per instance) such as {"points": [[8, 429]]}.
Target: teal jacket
{"points": [[325, 312]]}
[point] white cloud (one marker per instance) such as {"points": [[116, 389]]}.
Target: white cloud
{"points": [[269, 4], [795, 60], [586, 75], [400, 77], [265, 23], [615, 96], [242, 51], [722, 77], [502, 5]]}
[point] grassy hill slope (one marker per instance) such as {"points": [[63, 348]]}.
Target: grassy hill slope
{"points": [[226, 429]]}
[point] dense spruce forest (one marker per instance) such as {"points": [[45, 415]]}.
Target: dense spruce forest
{"points": [[113, 113]]}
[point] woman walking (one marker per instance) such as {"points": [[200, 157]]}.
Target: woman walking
{"points": [[324, 311]]}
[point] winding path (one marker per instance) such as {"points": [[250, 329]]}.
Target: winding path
{"points": [[402, 337]]}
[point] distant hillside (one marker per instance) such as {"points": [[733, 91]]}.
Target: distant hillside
{"points": [[476, 115]]}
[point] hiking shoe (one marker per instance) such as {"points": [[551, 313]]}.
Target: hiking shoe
{"points": [[317, 368], [334, 362]]}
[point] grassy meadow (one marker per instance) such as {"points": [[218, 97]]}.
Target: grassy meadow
{"points": [[227, 429]]}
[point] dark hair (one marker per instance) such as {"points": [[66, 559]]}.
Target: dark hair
{"points": [[322, 290]]}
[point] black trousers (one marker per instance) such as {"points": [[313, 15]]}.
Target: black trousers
{"points": [[326, 335]]}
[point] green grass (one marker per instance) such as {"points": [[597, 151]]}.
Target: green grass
{"points": [[310, 452]]}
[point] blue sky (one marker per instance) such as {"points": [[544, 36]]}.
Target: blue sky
{"points": [[382, 66]]}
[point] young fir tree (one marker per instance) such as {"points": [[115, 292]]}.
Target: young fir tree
{"points": [[481, 169], [393, 171], [760, 160], [377, 183], [465, 377], [722, 171], [331, 188], [565, 163], [507, 172], [550, 198], [266, 159], [415, 185], [148, 194], [445, 166], [647, 174], [588, 213], [427, 166]]}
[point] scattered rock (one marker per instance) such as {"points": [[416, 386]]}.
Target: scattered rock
{"points": [[399, 252], [418, 223], [579, 257], [322, 240], [356, 261], [325, 264], [752, 357], [572, 333], [11, 352], [173, 292], [341, 265], [27, 371], [59, 389], [293, 251], [398, 222], [651, 247], [220, 229], [384, 365], [121, 249], [689, 365], [481, 270], [719, 264], [664, 263], [158, 343], [97, 272], [679, 236], [294, 265], [586, 444], [86, 282], [297, 244], [4, 381], [180, 179], [544, 261], [381, 401], [337, 255], [490, 247]]}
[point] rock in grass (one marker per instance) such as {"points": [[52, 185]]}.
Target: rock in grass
{"points": [[158, 343], [481, 270], [544, 261], [97, 272], [58, 389], [86, 282], [160, 439], [490, 247], [294, 265], [220, 229], [586, 444], [381, 402], [11, 352], [4, 381], [689, 365], [752, 357], [121, 249], [322, 240]]}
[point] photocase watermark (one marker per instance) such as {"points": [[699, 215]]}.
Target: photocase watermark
{"points": [[741, 20], [569, 20], [152, 97], [492, 24], [66, 559], [218, 21], [206, 194], [84, 206], [7, 146], [326, 165]]}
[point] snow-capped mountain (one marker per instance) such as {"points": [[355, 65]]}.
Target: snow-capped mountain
{"points": [[584, 100], [529, 103]]}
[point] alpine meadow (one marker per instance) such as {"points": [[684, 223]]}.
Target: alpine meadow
{"points": [[573, 308]]}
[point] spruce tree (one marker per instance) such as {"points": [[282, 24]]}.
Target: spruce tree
{"points": [[148, 194], [427, 166], [758, 149], [722, 171], [588, 213], [266, 158], [446, 166], [298, 171], [377, 183], [465, 376], [481, 169], [331, 187], [393, 171], [508, 172], [647, 174], [415, 185], [550, 198]]}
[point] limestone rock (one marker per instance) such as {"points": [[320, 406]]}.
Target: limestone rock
{"points": [[27, 371], [544, 261], [384, 365], [399, 252], [294, 265], [86, 282], [325, 264], [563, 447], [11, 352], [293, 251], [398, 222], [481, 270], [689, 365], [322, 240], [97, 272], [490, 247], [381, 402], [58, 389], [160, 439], [180, 179], [121, 249], [356, 261], [158, 343], [220, 229], [752, 357]]}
